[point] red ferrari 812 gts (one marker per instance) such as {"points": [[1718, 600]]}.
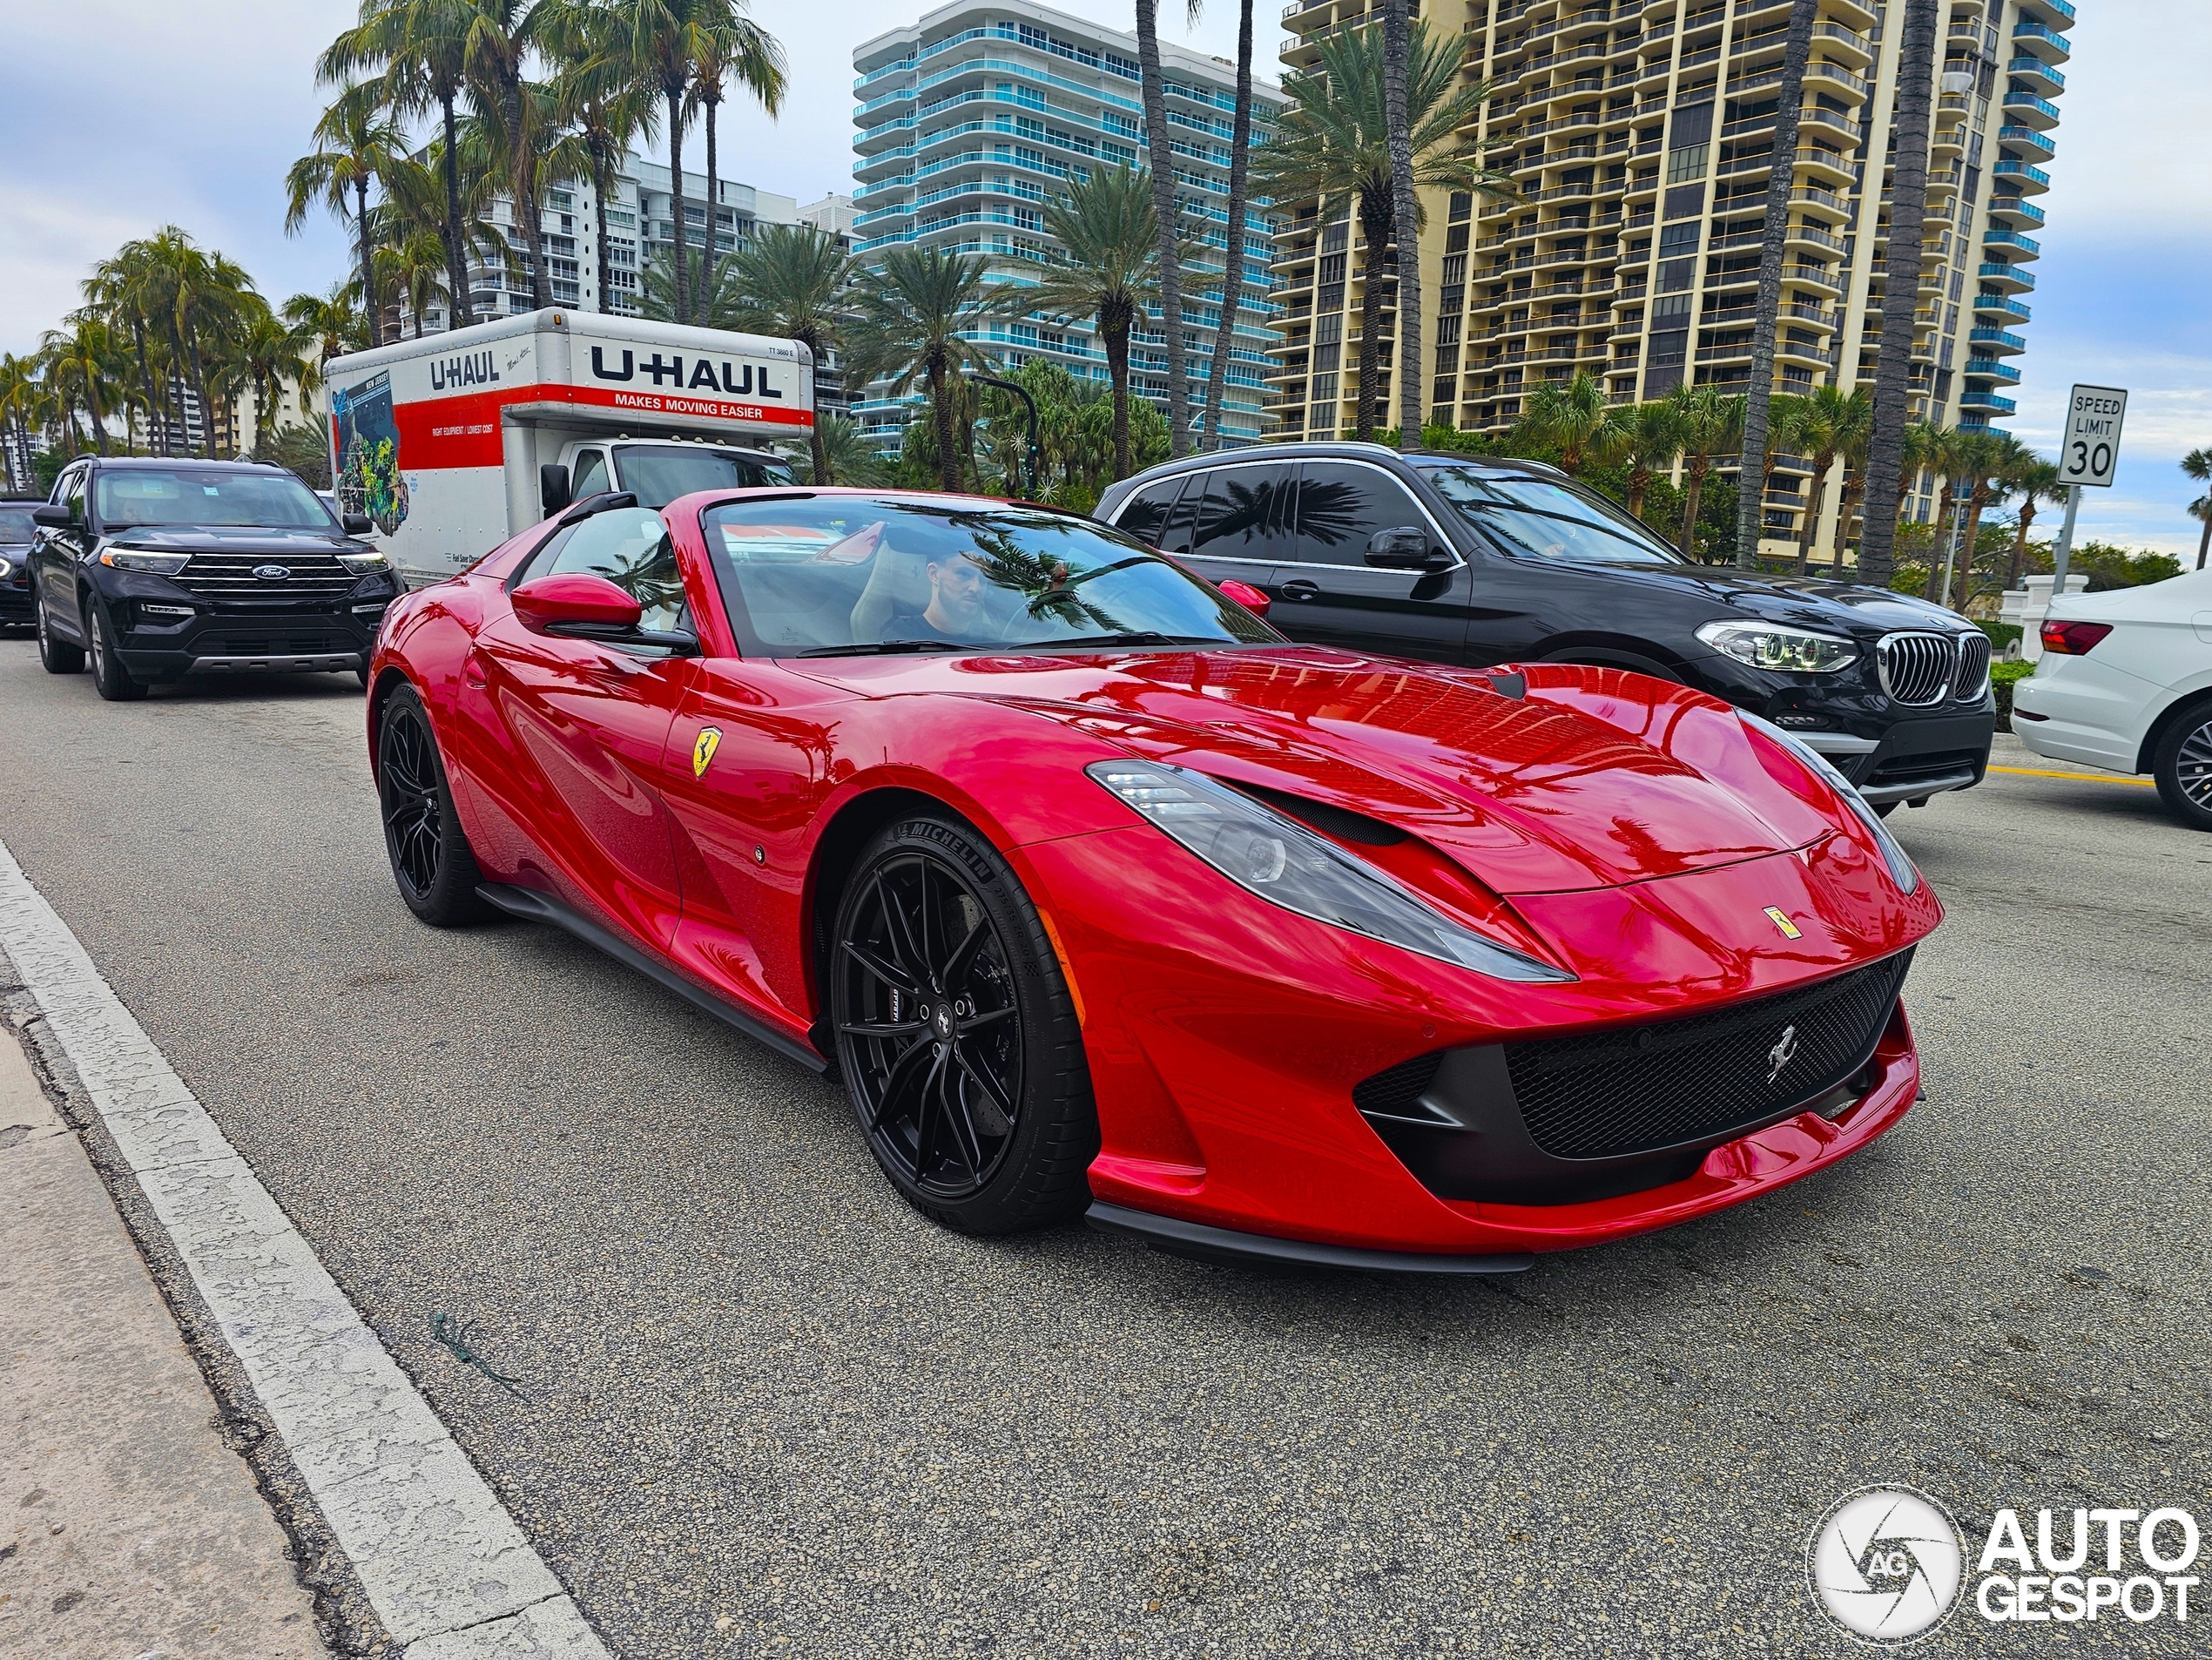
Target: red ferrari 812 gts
{"points": [[1101, 896]]}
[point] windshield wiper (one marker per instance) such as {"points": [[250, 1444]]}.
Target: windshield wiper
{"points": [[1133, 636], [884, 648]]}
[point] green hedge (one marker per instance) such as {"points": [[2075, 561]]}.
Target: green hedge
{"points": [[2002, 678], [2001, 634]]}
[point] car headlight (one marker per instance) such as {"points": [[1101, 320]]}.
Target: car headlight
{"points": [[1907, 875], [1792, 650], [362, 564], [7, 569], [160, 564], [1286, 864]]}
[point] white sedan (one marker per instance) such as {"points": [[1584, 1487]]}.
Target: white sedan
{"points": [[2126, 683]]}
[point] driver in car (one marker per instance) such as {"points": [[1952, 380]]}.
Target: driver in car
{"points": [[954, 612]]}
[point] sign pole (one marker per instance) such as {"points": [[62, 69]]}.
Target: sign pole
{"points": [[2065, 548]]}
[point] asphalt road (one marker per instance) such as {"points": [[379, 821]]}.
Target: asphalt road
{"points": [[766, 1408]]}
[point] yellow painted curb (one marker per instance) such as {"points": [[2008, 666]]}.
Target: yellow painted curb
{"points": [[2085, 777]]}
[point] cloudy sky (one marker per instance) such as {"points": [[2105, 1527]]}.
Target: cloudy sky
{"points": [[191, 112]]}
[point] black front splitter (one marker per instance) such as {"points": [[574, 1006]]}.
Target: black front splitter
{"points": [[1182, 1239]]}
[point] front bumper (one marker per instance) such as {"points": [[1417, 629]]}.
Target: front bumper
{"points": [[15, 593], [163, 633]]}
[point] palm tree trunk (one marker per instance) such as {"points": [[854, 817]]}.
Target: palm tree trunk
{"points": [[713, 212], [1854, 493], [2204, 540], [1159, 148], [812, 340], [1114, 334], [1693, 487], [2019, 543], [1947, 502], [176, 386], [600, 181], [1639, 485], [1375, 222], [1405, 212], [683, 270], [457, 260], [1977, 503], [1814, 503], [1232, 276], [1795, 49], [369, 307], [145, 374], [1901, 294], [940, 403]]}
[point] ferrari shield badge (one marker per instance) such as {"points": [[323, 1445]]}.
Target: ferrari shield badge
{"points": [[1774, 914], [710, 740]]}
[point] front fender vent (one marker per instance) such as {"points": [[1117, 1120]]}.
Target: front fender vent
{"points": [[1396, 1092]]}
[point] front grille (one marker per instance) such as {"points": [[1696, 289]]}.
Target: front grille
{"points": [[1972, 679], [1936, 763], [230, 576], [295, 643], [1703, 1077], [1917, 669], [1396, 1093]]}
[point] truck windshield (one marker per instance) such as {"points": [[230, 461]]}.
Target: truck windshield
{"points": [[145, 496], [1534, 518], [657, 473]]}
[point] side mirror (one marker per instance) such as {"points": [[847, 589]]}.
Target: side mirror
{"points": [[357, 523], [575, 602], [553, 487], [53, 515], [1406, 549], [1252, 599]]}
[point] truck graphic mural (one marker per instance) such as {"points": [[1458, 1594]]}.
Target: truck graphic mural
{"points": [[369, 477]]}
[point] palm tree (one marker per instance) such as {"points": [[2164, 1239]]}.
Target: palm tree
{"points": [[1566, 414], [80, 364], [333, 322], [2197, 464], [420, 49], [1712, 426], [1988, 457], [838, 452], [605, 111], [1797, 48], [1108, 269], [1647, 439], [417, 274], [119, 288], [1901, 285], [2034, 480], [714, 307], [1232, 275], [1331, 143], [1785, 423], [359, 146], [19, 392], [1830, 422], [1851, 451], [913, 313], [791, 282], [1406, 226], [1945, 451], [1167, 213], [731, 45]]}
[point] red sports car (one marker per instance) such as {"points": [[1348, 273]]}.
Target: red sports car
{"points": [[1099, 894]]}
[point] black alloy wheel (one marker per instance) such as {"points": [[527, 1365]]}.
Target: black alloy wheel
{"points": [[957, 1037], [55, 656], [432, 863], [2182, 767], [110, 678]]}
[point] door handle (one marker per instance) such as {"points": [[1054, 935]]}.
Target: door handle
{"points": [[1301, 589]]}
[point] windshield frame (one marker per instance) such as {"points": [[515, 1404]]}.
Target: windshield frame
{"points": [[1428, 466], [724, 578], [111, 525]]}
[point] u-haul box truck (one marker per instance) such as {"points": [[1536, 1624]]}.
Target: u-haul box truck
{"points": [[454, 443]]}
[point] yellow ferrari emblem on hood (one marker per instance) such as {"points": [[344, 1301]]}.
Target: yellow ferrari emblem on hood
{"points": [[709, 740], [1775, 915]]}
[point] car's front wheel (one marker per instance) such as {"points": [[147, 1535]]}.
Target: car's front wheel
{"points": [[110, 678], [956, 1033], [56, 656], [2183, 768], [432, 863]]}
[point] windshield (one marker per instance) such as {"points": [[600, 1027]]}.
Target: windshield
{"points": [[657, 473], [146, 496], [847, 575], [15, 523], [1535, 519]]}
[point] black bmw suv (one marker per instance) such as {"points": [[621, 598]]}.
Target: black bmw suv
{"points": [[160, 569], [1464, 559], [17, 529]]}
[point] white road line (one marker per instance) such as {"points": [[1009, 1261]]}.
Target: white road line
{"points": [[446, 1568]]}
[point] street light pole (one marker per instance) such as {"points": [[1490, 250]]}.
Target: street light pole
{"points": [[1022, 392]]}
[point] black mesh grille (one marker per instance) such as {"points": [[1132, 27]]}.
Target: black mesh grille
{"points": [[1935, 763], [1637, 1089], [1396, 1093]]}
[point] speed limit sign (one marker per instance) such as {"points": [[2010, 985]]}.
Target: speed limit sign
{"points": [[2091, 450]]}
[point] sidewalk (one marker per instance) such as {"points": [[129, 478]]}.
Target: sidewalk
{"points": [[128, 1531]]}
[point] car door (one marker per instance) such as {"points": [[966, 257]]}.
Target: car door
{"points": [[585, 723], [1241, 515], [1328, 593], [55, 555]]}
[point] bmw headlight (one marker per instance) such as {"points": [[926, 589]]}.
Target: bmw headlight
{"points": [[7, 569], [160, 565], [1301, 870], [363, 564], [1894, 855], [1791, 650]]}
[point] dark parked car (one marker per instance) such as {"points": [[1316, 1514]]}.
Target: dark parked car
{"points": [[158, 570], [1465, 559], [15, 531]]}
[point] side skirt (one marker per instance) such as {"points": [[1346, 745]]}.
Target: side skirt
{"points": [[1180, 1238], [534, 907]]}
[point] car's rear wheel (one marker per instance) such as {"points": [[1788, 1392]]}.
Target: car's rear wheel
{"points": [[432, 863], [958, 1038], [55, 656], [110, 678], [2183, 768]]}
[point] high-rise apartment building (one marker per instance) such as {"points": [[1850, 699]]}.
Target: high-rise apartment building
{"points": [[1640, 137], [970, 120]]}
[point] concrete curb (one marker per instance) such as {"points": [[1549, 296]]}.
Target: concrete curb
{"points": [[445, 1567]]}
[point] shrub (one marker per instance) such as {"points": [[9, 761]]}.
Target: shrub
{"points": [[2001, 634], [2003, 677]]}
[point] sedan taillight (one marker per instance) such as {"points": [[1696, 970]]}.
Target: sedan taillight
{"points": [[2072, 640]]}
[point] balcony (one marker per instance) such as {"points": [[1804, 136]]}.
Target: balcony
{"points": [[2016, 276], [1995, 304], [2038, 145], [2029, 110], [2016, 212], [2030, 37], [1989, 368], [2057, 13], [2023, 248], [2038, 75], [1994, 341], [2023, 178]]}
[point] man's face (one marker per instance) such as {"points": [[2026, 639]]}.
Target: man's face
{"points": [[956, 592]]}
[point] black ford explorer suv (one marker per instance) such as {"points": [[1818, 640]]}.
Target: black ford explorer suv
{"points": [[1464, 559], [163, 569]]}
